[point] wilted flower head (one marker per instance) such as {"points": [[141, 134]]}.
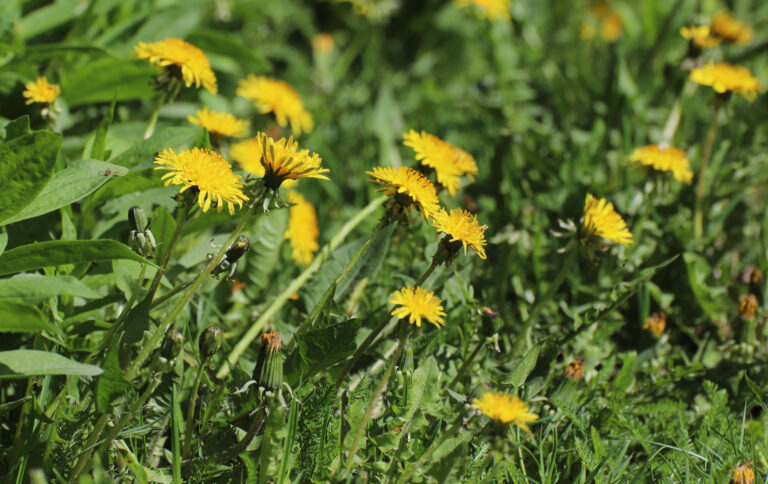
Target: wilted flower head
{"points": [[575, 369], [752, 275], [656, 324], [416, 303], [743, 474], [41, 91], [408, 188], [664, 159], [490, 9], [504, 409], [205, 171], [278, 97], [219, 123], [303, 231], [268, 371], [179, 59], [727, 78], [725, 27], [461, 227], [748, 306], [601, 220], [282, 160], [700, 35]]}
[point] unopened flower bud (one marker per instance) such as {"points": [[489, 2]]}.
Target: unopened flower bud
{"points": [[268, 372], [210, 342], [748, 306], [141, 239], [575, 369], [137, 219], [406, 359], [172, 345], [234, 252]]}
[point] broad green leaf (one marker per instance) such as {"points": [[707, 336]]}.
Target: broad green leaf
{"points": [[163, 226], [369, 263], [215, 42], [68, 186], [103, 80], [98, 148], [111, 383], [26, 363], [267, 236], [626, 375], [16, 317], [318, 349], [46, 18], [523, 368], [202, 140], [36, 288], [58, 252], [710, 299], [137, 321], [131, 182], [144, 151], [17, 127], [3, 241], [27, 165]]}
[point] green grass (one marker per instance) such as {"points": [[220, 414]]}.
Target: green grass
{"points": [[88, 395]]}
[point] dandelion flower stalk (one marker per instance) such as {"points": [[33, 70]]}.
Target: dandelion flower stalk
{"points": [[698, 215]]}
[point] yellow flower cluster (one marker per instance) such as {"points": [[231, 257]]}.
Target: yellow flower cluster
{"points": [[725, 27], [448, 161], [461, 227], [701, 35], [41, 91], [504, 409], [417, 303], [303, 231], [664, 159], [490, 9], [601, 220], [608, 22], [223, 124], [727, 78]]}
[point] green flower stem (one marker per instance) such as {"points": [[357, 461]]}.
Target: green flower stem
{"points": [[181, 219], [160, 331], [573, 254], [191, 411], [643, 217], [480, 345], [426, 274], [698, 215], [155, 113], [85, 457], [246, 340], [160, 300], [372, 403]]}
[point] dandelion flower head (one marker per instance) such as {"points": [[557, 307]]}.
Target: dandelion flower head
{"points": [[278, 97], [409, 187], [504, 409], [490, 9], [748, 306], [725, 78], [575, 369], [465, 162], [323, 42], [176, 53], [700, 35], [743, 474], [656, 323], [730, 30], [435, 153], [223, 124], [601, 220], [461, 226], [416, 303], [664, 158], [303, 232], [282, 160], [40, 91], [206, 171]]}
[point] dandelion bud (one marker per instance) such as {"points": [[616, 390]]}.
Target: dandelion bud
{"points": [[575, 369], [748, 306], [656, 324], [141, 239], [752, 275], [406, 359], [743, 474], [234, 252], [210, 342], [172, 345], [268, 372]]}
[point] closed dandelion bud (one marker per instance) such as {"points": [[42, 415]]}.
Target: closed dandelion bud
{"points": [[210, 342], [268, 372], [748, 306], [406, 359], [575, 369], [141, 239], [172, 345], [233, 254]]}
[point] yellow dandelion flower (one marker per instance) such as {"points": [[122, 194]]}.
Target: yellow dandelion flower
{"points": [[730, 30], [611, 28], [205, 171], [435, 153], [408, 187], [41, 91], [724, 78], [575, 369], [282, 160], [748, 306], [490, 9], [322, 42], [664, 158], [278, 97], [461, 226], [223, 124], [417, 303], [504, 409], [465, 162], [601, 220], [700, 35], [743, 474], [656, 324], [303, 232], [176, 54]]}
